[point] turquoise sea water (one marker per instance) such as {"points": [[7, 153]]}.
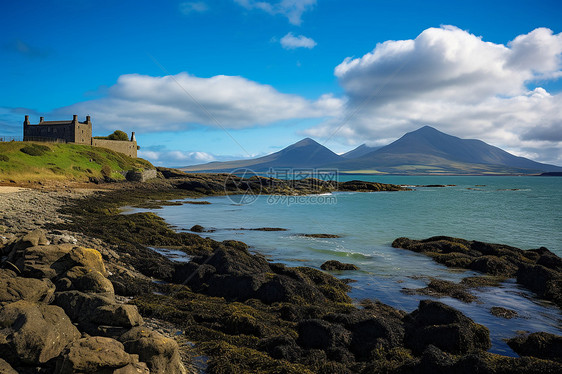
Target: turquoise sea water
{"points": [[524, 212]]}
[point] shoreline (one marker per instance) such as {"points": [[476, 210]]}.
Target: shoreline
{"points": [[150, 304]]}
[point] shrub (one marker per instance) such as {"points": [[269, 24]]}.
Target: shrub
{"points": [[4, 158], [118, 135], [106, 170], [35, 149]]}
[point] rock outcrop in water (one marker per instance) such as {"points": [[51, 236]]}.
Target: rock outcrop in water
{"points": [[539, 270]]}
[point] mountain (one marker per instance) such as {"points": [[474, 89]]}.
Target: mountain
{"points": [[423, 151], [428, 150], [362, 150], [306, 153]]}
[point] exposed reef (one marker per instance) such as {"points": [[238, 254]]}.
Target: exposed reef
{"points": [[539, 270]]}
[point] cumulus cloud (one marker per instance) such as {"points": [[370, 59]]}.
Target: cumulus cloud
{"points": [[291, 41], [148, 104], [189, 7], [292, 9], [458, 83], [175, 157]]}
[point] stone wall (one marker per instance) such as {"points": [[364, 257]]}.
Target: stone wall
{"points": [[64, 132], [82, 133], [123, 146]]}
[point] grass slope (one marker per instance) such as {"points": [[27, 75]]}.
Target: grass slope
{"points": [[30, 161]]}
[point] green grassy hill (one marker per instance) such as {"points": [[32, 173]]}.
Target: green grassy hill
{"points": [[30, 161]]}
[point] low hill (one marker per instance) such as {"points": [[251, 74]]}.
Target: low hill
{"points": [[30, 161], [306, 153]]}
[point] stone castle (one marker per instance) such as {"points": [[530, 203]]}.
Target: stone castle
{"points": [[75, 132]]}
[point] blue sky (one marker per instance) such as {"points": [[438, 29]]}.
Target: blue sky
{"points": [[213, 80]]}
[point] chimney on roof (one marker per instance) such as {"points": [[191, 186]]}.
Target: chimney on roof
{"points": [[41, 119], [75, 118], [133, 138], [26, 122], [87, 119]]}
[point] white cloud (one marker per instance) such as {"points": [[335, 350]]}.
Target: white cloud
{"points": [[193, 6], [175, 157], [144, 103], [290, 41], [458, 83], [292, 9]]}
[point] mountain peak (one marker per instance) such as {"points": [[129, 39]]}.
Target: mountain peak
{"points": [[305, 141], [427, 130]]}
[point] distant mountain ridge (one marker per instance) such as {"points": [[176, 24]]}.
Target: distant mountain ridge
{"points": [[362, 150], [306, 153], [423, 151]]}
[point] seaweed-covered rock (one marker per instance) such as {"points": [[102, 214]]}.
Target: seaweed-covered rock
{"points": [[439, 287], [97, 354], [281, 347], [161, 354], [494, 265], [498, 311], [545, 282], [336, 265], [34, 333], [319, 334], [539, 270], [444, 327], [232, 272], [197, 228], [538, 344]]}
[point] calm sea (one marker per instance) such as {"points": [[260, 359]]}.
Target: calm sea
{"points": [[524, 212]]}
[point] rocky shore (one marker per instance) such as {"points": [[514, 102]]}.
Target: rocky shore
{"points": [[83, 292]]}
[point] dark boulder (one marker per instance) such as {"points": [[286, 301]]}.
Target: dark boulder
{"points": [[494, 266], [97, 354], [545, 282], [86, 280], [375, 332], [319, 334], [235, 274], [444, 327], [161, 354], [14, 288], [539, 344], [34, 333], [236, 261]]}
